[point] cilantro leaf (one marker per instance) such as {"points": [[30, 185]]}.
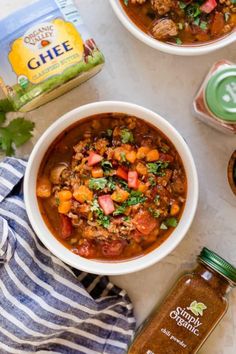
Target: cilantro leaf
{"points": [[6, 106], [171, 222], [135, 198], [97, 183], [203, 25], [120, 210], [111, 184], [152, 181], [182, 5], [123, 185], [154, 212], [193, 10], [102, 219], [106, 165], [2, 117], [127, 136], [109, 133], [178, 41], [157, 167], [18, 132]]}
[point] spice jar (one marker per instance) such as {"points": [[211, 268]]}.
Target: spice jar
{"points": [[191, 311], [215, 102]]}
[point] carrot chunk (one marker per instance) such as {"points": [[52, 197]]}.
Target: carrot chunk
{"points": [[44, 187], [83, 194]]}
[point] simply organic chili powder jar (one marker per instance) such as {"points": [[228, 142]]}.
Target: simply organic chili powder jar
{"points": [[191, 311]]}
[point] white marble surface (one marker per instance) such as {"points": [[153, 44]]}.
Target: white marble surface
{"points": [[165, 84]]}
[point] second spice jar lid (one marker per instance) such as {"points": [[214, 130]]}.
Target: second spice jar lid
{"points": [[220, 94], [218, 264]]}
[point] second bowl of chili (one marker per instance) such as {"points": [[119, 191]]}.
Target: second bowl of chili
{"points": [[179, 27]]}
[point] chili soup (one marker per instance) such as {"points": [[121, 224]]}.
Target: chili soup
{"points": [[183, 22], [112, 187]]}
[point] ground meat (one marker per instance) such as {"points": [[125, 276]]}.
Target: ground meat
{"points": [[92, 232], [162, 6], [163, 29], [101, 146], [178, 183]]}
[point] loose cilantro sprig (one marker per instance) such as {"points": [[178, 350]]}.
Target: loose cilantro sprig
{"points": [[16, 133], [6, 106]]}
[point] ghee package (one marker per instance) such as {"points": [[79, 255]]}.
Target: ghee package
{"points": [[45, 52]]}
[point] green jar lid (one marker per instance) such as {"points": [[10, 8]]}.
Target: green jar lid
{"points": [[220, 94], [218, 264]]}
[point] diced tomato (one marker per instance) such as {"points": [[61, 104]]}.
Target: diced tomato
{"points": [[94, 158], [208, 6], [217, 24], [145, 222], [121, 172], [113, 248], [87, 249], [106, 203], [133, 179], [166, 157], [66, 226]]}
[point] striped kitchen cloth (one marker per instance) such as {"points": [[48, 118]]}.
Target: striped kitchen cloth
{"points": [[45, 306]]}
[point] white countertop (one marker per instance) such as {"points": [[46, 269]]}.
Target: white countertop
{"points": [[165, 84]]}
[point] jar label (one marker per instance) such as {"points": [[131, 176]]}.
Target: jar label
{"points": [[45, 50]]}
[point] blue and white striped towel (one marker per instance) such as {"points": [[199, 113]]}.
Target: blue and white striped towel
{"points": [[45, 306]]}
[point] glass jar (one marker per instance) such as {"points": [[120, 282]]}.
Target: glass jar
{"points": [[46, 51], [191, 311], [215, 102]]}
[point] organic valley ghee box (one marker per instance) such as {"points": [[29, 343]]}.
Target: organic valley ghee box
{"points": [[45, 52]]}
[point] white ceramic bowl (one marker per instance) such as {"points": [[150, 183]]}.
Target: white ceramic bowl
{"points": [[165, 47], [100, 267]]}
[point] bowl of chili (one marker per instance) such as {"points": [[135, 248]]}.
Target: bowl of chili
{"points": [[111, 188], [179, 27]]}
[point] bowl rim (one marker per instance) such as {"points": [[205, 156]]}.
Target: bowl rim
{"points": [[94, 266], [165, 47], [230, 172]]}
